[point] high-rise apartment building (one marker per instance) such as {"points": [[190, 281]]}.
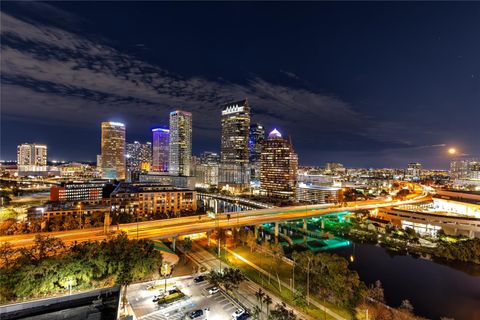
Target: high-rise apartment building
{"points": [[180, 153], [465, 169], [414, 170], [279, 163], [234, 156], [255, 141], [161, 149], [113, 150], [32, 157], [139, 156]]}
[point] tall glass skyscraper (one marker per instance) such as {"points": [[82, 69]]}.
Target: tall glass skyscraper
{"points": [[113, 150], [255, 141], [234, 154], [180, 153], [161, 149]]}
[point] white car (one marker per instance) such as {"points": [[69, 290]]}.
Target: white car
{"points": [[237, 313], [213, 290]]}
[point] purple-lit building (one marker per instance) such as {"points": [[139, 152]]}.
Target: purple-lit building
{"points": [[160, 146]]}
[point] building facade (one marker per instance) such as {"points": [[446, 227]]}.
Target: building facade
{"points": [[78, 191], [318, 194], [139, 156], [465, 169], [32, 157], [113, 151], [161, 149], [414, 170], [180, 147], [255, 142], [234, 168], [152, 198], [279, 163]]}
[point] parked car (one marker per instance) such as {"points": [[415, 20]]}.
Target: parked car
{"points": [[196, 314], [237, 313], [199, 279], [213, 290], [244, 316]]}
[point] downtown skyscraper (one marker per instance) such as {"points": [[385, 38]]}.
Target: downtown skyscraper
{"points": [[279, 164], [161, 149], [234, 154], [113, 150], [180, 153], [255, 142], [139, 156]]}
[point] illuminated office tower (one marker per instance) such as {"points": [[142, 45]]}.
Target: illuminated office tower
{"points": [[32, 157], [279, 163], [161, 147], [234, 156], [113, 150], [139, 156], [255, 141], [180, 153]]}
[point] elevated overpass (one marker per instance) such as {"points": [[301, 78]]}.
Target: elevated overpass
{"points": [[172, 228]]}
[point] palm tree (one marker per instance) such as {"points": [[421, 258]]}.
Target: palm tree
{"points": [[259, 295], [268, 301], [256, 313]]}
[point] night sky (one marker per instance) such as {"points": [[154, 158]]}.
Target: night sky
{"points": [[365, 84]]}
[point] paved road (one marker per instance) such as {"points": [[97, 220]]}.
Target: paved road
{"points": [[167, 228]]}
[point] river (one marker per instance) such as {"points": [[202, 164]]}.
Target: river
{"points": [[435, 289]]}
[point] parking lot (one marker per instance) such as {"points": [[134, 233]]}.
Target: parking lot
{"points": [[220, 305]]}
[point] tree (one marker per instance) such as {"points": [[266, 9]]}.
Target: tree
{"points": [[282, 313], [277, 251], [256, 313], [259, 294], [268, 301], [376, 292], [406, 306], [6, 253], [251, 240]]}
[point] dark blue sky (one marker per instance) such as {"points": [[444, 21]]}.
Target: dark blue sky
{"points": [[366, 84]]}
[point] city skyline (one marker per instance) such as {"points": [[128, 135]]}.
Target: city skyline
{"points": [[370, 112]]}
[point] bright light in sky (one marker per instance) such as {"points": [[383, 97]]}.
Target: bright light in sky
{"points": [[452, 151]]}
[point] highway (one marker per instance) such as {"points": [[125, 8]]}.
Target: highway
{"points": [[167, 228]]}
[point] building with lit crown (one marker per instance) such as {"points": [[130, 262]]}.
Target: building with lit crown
{"points": [[234, 171], [279, 163], [180, 147], [161, 149], [113, 151]]}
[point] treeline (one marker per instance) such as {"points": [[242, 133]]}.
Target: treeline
{"points": [[49, 267], [467, 250]]}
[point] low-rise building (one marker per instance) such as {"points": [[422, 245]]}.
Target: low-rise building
{"points": [[318, 194], [151, 198], [78, 191]]}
